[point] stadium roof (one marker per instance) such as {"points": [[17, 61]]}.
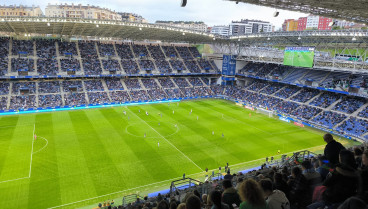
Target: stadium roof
{"points": [[351, 10], [99, 28]]}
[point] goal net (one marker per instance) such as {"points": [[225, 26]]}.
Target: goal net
{"points": [[265, 112]]}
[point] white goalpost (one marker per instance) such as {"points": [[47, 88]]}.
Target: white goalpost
{"points": [[265, 112]]}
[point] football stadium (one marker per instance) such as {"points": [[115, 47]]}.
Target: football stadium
{"points": [[110, 111]]}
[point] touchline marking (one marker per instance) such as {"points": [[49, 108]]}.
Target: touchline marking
{"points": [[30, 166], [167, 140], [121, 191], [165, 181]]}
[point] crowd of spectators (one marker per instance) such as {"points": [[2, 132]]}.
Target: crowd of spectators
{"points": [[23, 46], [173, 93], [349, 105], [68, 64], [267, 102], [181, 82], [325, 100], [192, 66], [119, 96], [354, 126], [3, 66], [170, 51], [156, 52], [194, 92], [177, 65], [22, 64], [88, 50], [114, 84], [265, 70], [92, 66], [305, 94], [111, 65], [130, 66], [257, 85], [287, 92], [68, 84], [217, 89], [328, 119], [272, 88], [306, 112], [140, 51], [163, 66], [184, 52], [146, 65], [68, 49], [195, 52], [46, 49], [205, 65], [286, 107], [363, 113], [47, 66], [166, 83], [106, 50], [124, 51], [206, 81], [31, 86], [4, 45], [4, 88], [50, 100], [98, 97], [22, 102], [49, 87], [150, 83], [139, 95], [157, 94], [132, 84], [73, 99], [195, 81], [3, 103], [93, 85]]}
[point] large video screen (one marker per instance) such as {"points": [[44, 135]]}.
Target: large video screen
{"points": [[299, 56]]}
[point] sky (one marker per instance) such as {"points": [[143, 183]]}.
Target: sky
{"points": [[212, 12]]}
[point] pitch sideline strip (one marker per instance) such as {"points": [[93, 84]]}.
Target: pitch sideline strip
{"points": [[30, 164], [167, 180], [167, 141]]}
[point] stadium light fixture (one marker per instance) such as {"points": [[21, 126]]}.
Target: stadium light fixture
{"points": [[299, 38], [97, 26], [353, 39], [183, 34], [140, 28], [48, 24], [268, 38], [214, 38]]}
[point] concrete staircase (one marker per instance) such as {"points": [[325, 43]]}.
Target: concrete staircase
{"points": [[333, 104], [355, 114], [309, 101]]}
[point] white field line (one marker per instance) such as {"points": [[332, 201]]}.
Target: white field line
{"points": [[47, 142], [121, 191], [167, 141], [167, 180], [30, 166]]}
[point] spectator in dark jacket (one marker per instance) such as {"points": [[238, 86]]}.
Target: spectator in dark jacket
{"points": [[280, 184], [298, 189], [332, 149], [230, 196]]}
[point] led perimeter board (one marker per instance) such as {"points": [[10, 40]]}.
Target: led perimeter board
{"points": [[299, 56]]}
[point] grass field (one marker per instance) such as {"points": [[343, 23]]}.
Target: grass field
{"points": [[82, 154]]}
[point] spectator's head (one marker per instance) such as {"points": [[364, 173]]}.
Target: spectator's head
{"points": [[296, 172], [266, 185], [204, 198], [357, 151], [181, 206], [251, 192], [365, 158], [173, 205], [193, 202], [216, 198], [328, 138], [163, 205], [346, 158], [196, 193], [306, 164], [227, 184]]}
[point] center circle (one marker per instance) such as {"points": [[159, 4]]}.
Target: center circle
{"points": [[153, 130]]}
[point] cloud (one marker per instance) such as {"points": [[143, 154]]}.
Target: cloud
{"points": [[212, 12]]}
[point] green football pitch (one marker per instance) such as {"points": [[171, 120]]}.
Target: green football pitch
{"points": [[299, 59], [82, 157]]}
